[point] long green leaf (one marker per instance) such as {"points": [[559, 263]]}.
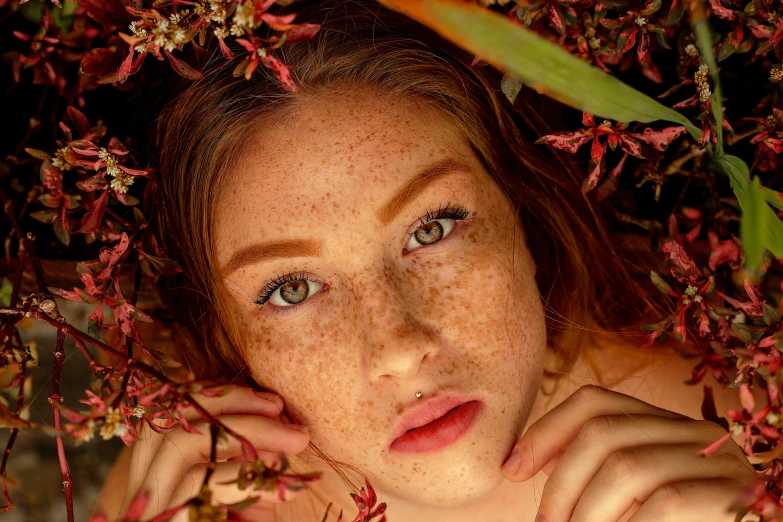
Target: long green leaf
{"points": [[752, 224], [760, 228], [537, 62]]}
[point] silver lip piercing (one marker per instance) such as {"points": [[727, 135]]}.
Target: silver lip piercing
{"points": [[418, 395]]}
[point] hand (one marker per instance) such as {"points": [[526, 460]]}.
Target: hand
{"points": [[171, 467], [607, 453]]}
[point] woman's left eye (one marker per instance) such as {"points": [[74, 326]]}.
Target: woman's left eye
{"points": [[295, 288]]}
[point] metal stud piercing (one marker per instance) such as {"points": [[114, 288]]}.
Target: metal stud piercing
{"points": [[418, 395]]}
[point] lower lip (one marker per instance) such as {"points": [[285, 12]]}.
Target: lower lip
{"points": [[439, 433]]}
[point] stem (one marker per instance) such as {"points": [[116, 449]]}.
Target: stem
{"points": [[10, 445], [213, 432], [59, 359]]}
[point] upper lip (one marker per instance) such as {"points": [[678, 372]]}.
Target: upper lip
{"points": [[426, 411]]}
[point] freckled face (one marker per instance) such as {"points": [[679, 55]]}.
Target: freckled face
{"points": [[383, 316]]}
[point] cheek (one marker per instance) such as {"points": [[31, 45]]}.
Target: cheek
{"points": [[303, 365]]}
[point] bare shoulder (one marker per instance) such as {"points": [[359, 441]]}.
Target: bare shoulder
{"points": [[660, 381]]}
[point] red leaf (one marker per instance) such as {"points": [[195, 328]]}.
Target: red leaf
{"points": [[84, 147], [627, 39], [556, 18], [79, 121], [301, 32], [727, 251], [116, 147], [588, 120], [746, 397], [137, 506], [107, 13], [597, 150], [227, 54], [281, 71], [568, 141], [101, 61], [124, 71], [182, 68], [660, 139], [721, 11], [278, 23], [62, 226], [715, 446], [596, 173], [92, 219]]}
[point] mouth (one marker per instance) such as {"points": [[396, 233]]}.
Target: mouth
{"points": [[439, 433]]}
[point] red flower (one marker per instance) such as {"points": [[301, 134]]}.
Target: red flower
{"points": [[365, 501], [615, 134]]}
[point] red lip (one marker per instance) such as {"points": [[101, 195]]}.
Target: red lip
{"points": [[433, 435]]}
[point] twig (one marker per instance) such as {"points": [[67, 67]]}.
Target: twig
{"points": [[59, 358]]}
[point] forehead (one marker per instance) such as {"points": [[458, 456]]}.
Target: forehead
{"points": [[328, 157]]}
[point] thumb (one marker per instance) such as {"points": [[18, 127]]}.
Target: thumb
{"points": [[517, 466]]}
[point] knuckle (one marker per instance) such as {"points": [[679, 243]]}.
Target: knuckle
{"points": [[596, 428], [586, 393], [620, 466], [712, 428], [670, 499]]}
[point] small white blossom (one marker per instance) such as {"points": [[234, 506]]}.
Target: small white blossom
{"points": [[87, 437], [59, 160], [111, 162], [691, 50], [121, 182], [114, 424], [640, 21]]}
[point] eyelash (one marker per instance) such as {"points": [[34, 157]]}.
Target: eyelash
{"points": [[457, 213]]}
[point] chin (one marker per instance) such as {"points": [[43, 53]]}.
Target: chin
{"points": [[463, 478]]}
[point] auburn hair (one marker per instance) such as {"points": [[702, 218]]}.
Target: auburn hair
{"points": [[591, 284]]}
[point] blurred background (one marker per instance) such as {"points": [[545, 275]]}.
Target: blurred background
{"points": [[33, 462]]}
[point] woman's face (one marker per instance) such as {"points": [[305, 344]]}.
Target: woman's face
{"points": [[452, 309]]}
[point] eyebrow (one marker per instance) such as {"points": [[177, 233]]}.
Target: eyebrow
{"points": [[280, 249]]}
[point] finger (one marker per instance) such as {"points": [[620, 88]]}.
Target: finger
{"points": [[555, 430], [181, 450], [222, 492], [237, 401], [691, 501], [601, 436], [636, 473]]}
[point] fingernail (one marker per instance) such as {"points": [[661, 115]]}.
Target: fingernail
{"points": [[541, 518], [514, 462], [298, 427], [268, 396]]}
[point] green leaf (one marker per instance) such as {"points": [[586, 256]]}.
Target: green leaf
{"points": [[751, 225], [704, 42], [737, 170], [773, 197], [537, 62], [5, 292], [510, 87], [770, 315], [662, 285], [760, 228]]}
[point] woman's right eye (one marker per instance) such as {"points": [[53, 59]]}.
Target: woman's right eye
{"points": [[289, 292], [294, 289]]}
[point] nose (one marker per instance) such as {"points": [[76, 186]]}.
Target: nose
{"points": [[392, 316]]}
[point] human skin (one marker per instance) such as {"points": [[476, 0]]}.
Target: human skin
{"points": [[463, 315]]}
